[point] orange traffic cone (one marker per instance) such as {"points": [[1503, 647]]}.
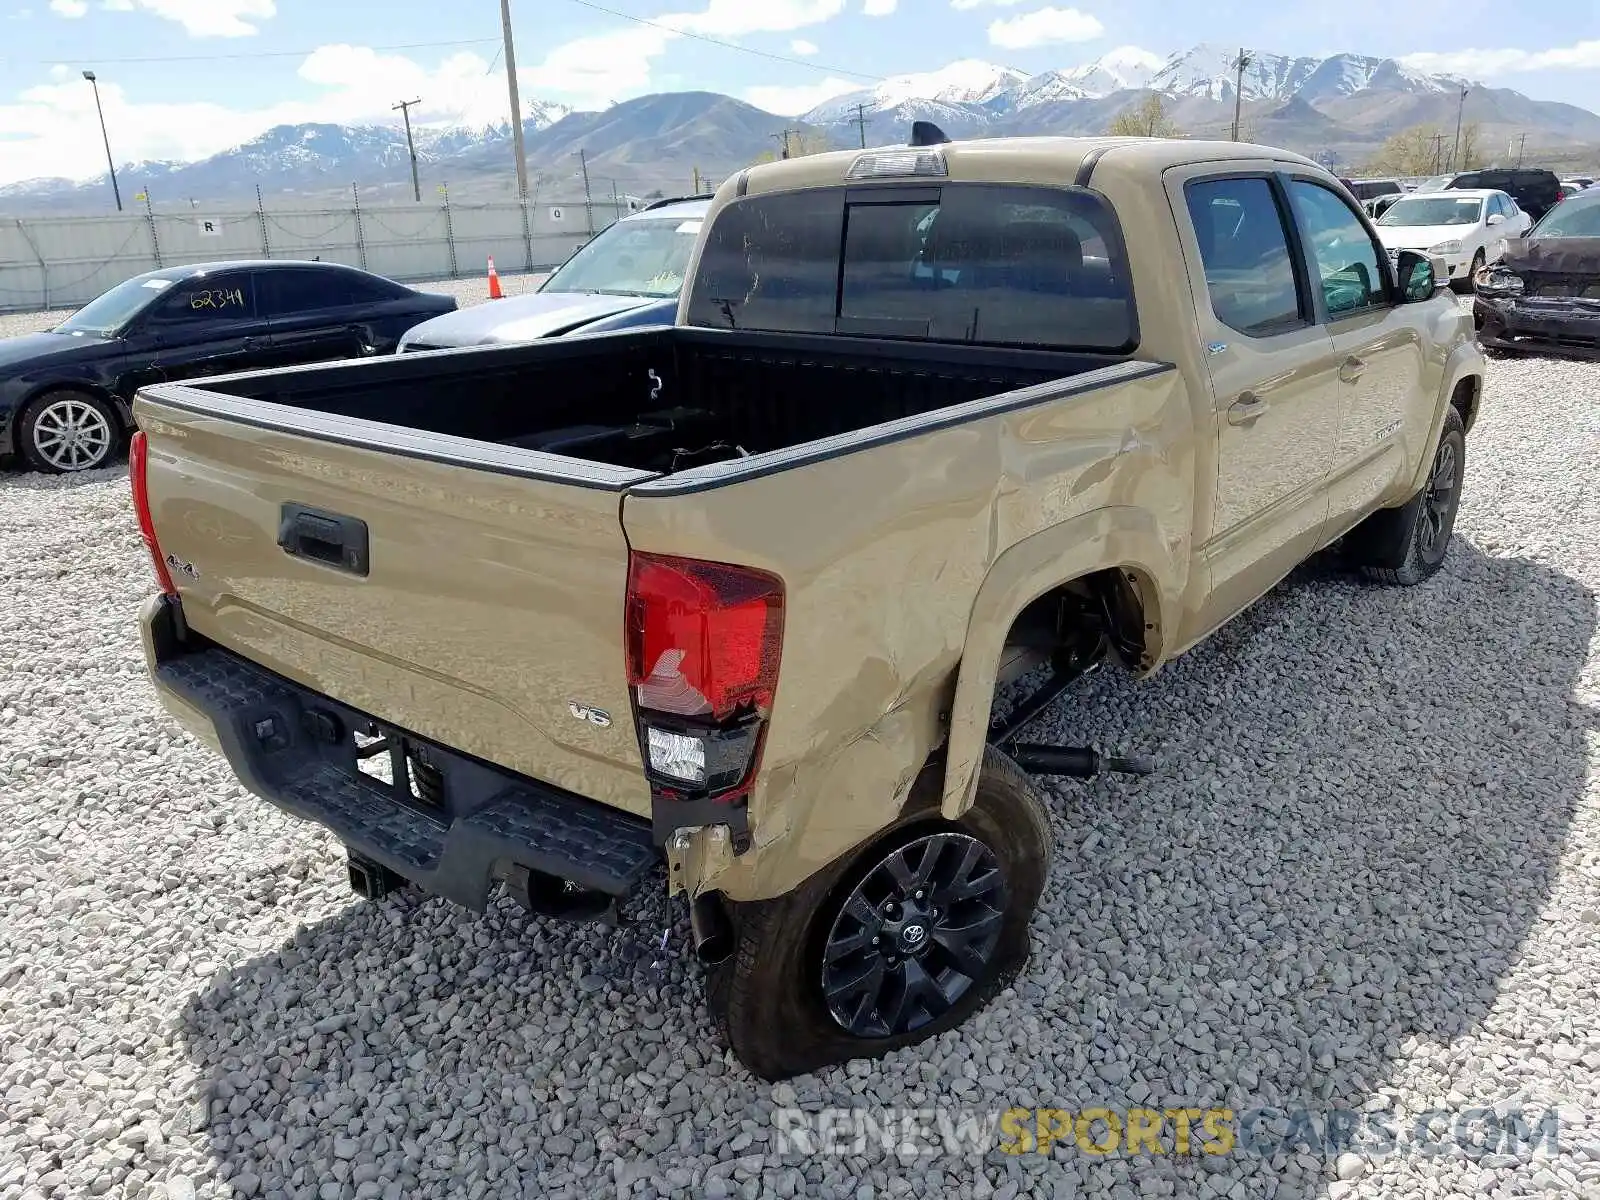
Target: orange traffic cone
{"points": [[494, 283]]}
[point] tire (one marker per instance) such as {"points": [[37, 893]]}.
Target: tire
{"points": [[768, 998], [68, 431], [1465, 286], [1403, 546]]}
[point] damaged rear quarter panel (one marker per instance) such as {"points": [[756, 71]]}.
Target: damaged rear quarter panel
{"points": [[883, 552]]}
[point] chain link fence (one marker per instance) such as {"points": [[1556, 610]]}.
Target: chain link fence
{"points": [[62, 262]]}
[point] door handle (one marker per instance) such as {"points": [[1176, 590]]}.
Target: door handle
{"points": [[1350, 370], [1247, 409]]}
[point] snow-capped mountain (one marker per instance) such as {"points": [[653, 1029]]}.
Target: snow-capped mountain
{"points": [[1209, 71], [1206, 72], [968, 81]]}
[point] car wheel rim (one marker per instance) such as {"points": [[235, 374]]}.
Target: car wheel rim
{"points": [[1438, 506], [914, 935], [71, 435]]}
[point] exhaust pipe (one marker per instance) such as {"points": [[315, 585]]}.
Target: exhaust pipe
{"points": [[1075, 762], [710, 929]]}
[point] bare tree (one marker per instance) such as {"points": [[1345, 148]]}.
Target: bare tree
{"points": [[1149, 119]]}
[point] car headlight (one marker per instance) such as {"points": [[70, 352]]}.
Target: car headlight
{"points": [[1445, 248], [1498, 281]]}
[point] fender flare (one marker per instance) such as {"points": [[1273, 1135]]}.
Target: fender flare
{"points": [[1464, 362], [1121, 538]]}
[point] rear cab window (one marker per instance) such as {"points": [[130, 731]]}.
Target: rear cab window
{"points": [[990, 264]]}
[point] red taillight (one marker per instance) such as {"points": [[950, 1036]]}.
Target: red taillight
{"points": [[704, 638], [138, 459]]}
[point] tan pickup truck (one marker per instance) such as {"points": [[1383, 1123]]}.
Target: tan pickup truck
{"points": [[737, 595]]}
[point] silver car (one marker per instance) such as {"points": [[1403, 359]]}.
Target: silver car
{"points": [[627, 276]]}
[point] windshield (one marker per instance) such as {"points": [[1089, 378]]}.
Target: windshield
{"points": [[108, 312], [632, 258], [1434, 210], [1574, 218], [1439, 183]]}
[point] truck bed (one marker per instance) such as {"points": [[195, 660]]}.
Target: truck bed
{"points": [[660, 401]]}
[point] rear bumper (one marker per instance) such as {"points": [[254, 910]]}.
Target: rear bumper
{"points": [[452, 826], [1565, 327]]}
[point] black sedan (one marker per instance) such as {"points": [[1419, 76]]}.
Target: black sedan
{"points": [[66, 395], [1544, 293]]}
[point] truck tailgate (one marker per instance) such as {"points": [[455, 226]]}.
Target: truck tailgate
{"points": [[484, 613]]}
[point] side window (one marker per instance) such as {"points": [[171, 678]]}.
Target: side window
{"points": [[208, 300], [1346, 256], [288, 291], [1244, 247]]}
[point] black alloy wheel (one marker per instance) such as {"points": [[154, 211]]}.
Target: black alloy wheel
{"points": [[918, 931]]}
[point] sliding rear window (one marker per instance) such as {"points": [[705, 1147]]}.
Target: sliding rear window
{"points": [[989, 264]]}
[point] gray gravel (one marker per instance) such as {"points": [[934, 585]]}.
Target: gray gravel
{"points": [[1367, 877]]}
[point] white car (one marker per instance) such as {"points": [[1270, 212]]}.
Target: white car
{"points": [[1465, 228]]}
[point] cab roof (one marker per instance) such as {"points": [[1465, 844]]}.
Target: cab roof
{"points": [[1051, 161]]}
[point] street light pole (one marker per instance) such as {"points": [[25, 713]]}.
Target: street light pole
{"points": [[516, 103], [105, 137]]}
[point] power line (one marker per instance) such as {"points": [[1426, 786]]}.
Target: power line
{"points": [[171, 58], [700, 37]]}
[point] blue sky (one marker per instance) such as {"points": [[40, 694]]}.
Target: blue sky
{"points": [[235, 67]]}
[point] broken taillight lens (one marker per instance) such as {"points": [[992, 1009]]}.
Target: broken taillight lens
{"points": [[704, 641], [138, 472]]}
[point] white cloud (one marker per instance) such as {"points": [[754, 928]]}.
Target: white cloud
{"points": [[792, 101], [51, 129], [981, 3], [118, 5], [199, 18], [603, 68], [1044, 27], [69, 8], [878, 8], [1582, 56], [801, 46]]}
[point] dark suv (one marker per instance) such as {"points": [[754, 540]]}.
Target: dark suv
{"points": [[1535, 191]]}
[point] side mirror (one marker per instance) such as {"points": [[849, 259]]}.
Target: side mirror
{"points": [[1497, 218], [1416, 276]]}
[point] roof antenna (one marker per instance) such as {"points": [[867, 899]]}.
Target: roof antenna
{"points": [[926, 133]]}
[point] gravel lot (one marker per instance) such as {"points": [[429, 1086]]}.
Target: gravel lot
{"points": [[1366, 877]]}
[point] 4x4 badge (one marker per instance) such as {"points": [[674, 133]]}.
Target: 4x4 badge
{"points": [[595, 716]]}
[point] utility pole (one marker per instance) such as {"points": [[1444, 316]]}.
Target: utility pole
{"points": [[1239, 64], [861, 123], [105, 137], [588, 200], [404, 108], [516, 104], [1460, 108], [697, 181], [1522, 141], [1438, 151], [783, 140]]}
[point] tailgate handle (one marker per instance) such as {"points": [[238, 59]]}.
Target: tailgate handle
{"points": [[329, 538]]}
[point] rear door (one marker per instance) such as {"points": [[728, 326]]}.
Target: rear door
{"points": [[311, 313], [1378, 385], [1273, 376]]}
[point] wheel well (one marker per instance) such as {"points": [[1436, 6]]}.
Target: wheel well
{"points": [[122, 412], [1079, 623], [1465, 399]]}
